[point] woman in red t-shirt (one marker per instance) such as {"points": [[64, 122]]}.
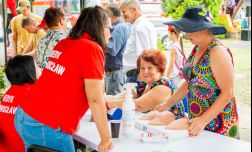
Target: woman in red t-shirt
{"points": [[21, 73], [71, 82]]}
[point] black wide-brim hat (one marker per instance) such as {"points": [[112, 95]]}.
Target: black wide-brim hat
{"points": [[194, 19]]}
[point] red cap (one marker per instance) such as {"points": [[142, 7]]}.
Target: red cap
{"points": [[42, 23]]}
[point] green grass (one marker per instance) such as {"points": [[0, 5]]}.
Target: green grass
{"points": [[242, 60], [2, 83]]}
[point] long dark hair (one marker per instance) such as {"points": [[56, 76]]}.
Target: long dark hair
{"points": [[20, 70], [91, 21]]}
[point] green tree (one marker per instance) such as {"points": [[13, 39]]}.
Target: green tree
{"points": [[2, 83]]}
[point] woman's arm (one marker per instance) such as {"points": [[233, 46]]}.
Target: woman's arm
{"points": [[223, 71], [152, 98], [179, 94], [94, 92], [117, 100], [119, 96], [172, 62]]}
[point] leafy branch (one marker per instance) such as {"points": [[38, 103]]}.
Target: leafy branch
{"points": [[2, 83]]}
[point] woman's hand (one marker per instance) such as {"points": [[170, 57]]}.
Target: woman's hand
{"points": [[94, 91], [162, 107], [196, 126], [115, 104], [105, 145]]}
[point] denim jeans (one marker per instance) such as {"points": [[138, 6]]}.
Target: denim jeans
{"points": [[114, 82], [33, 132]]}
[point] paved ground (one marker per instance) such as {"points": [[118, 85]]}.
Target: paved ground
{"points": [[245, 122]]}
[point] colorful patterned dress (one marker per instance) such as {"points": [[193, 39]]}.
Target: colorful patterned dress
{"points": [[177, 109], [203, 90]]}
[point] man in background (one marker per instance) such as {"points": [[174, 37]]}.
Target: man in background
{"points": [[19, 35], [230, 6], [143, 37], [36, 35], [120, 33]]}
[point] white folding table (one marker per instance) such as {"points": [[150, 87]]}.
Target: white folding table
{"points": [[205, 142]]}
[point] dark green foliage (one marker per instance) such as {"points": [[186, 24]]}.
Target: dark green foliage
{"points": [[2, 84]]}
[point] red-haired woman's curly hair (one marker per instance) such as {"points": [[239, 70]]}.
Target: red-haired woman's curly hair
{"points": [[157, 58]]}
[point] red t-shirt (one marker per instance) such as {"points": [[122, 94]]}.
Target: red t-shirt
{"points": [[58, 98], [9, 138]]}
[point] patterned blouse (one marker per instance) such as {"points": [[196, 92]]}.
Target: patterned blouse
{"points": [[46, 46], [203, 90], [178, 109]]}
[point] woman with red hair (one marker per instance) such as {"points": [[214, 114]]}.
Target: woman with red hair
{"points": [[152, 90]]}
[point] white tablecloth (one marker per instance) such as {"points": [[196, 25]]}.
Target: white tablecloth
{"points": [[205, 142]]}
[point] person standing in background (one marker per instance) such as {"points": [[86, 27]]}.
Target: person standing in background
{"points": [[19, 35], [55, 22], [230, 6], [243, 20], [177, 56], [120, 33], [37, 34], [143, 37]]}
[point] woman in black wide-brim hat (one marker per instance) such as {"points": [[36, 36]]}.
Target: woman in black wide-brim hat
{"points": [[209, 75]]}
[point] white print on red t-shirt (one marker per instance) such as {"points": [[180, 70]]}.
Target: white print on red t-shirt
{"points": [[56, 68], [8, 98], [55, 54], [8, 109]]}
